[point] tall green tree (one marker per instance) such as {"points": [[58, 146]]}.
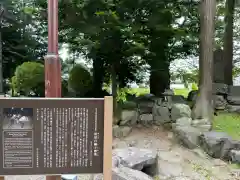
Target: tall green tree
{"points": [[203, 107], [21, 36], [228, 41]]}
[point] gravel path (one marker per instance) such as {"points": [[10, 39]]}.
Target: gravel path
{"points": [[175, 161]]}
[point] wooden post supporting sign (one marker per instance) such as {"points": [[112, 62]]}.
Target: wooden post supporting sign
{"points": [[107, 149]]}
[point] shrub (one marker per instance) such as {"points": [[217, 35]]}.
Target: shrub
{"points": [[80, 80]]}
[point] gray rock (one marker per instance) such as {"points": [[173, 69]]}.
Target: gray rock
{"points": [[203, 125], [115, 161], [126, 131], [161, 114], [180, 110], [233, 108], [233, 100], [188, 135], [145, 106], [138, 159], [234, 91], [235, 156], [184, 121], [168, 92], [219, 102], [178, 99], [220, 88], [121, 131], [146, 117], [169, 170], [158, 102], [128, 117], [197, 122], [125, 173], [214, 144]]}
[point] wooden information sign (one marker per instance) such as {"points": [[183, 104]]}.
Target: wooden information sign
{"points": [[53, 136]]}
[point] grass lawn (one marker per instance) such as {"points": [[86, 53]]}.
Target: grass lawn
{"points": [[183, 92], [229, 123], [142, 91]]}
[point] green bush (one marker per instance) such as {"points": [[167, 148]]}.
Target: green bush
{"points": [[29, 78], [80, 80]]}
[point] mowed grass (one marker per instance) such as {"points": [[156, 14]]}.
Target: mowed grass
{"points": [[183, 92], [142, 91], [229, 123]]}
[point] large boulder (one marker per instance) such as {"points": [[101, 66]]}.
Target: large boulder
{"points": [[189, 136], [216, 144], [138, 159], [180, 110], [161, 114], [129, 117]]}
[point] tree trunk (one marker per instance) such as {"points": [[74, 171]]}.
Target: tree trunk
{"points": [[203, 107], [159, 75], [159, 80], [114, 89], [228, 42], [98, 77]]}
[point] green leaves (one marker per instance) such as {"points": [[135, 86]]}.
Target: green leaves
{"points": [[80, 80], [29, 77]]}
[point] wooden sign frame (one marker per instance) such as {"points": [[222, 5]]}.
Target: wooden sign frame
{"points": [[107, 148]]}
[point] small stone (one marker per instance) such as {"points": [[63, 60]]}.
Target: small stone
{"points": [[235, 156]]}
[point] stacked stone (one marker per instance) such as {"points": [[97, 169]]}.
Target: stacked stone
{"points": [[233, 99]]}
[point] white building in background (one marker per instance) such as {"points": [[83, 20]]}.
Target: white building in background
{"points": [[177, 86]]}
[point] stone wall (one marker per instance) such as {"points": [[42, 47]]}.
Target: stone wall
{"points": [[225, 98]]}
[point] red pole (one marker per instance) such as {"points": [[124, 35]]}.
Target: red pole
{"points": [[52, 64]]}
